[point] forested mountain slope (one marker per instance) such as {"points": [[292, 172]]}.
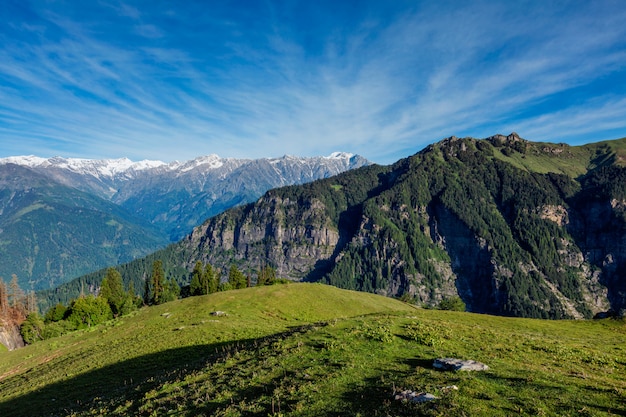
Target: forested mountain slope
{"points": [[513, 227], [49, 232]]}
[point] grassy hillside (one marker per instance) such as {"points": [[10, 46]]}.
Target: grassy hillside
{"points": [[573, 161], [311, 350]]}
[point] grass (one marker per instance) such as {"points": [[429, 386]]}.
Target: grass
{"points": [[572, 160], [310, 350]]}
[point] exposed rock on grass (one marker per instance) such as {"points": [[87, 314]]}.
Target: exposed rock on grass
{"points": [[452, 364]]}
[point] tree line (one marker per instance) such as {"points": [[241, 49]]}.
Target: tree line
{"points": [[113, 300]]}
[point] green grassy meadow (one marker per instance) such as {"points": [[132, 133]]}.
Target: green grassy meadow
{"points": [[313, 350]]}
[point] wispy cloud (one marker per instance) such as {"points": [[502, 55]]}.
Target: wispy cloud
{"points": [[382, 85]]}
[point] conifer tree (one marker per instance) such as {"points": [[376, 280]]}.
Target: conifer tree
{"points": [[147, 297], [158, 282], [112, 290], [134, 298], [197, 277], [212, 279], [236, 278], [171, 291]]}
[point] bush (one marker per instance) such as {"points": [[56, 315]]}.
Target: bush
{"points": [[380, 333], [56, 313], [452, 304], [426, 334], [57, 328], [32, 328], [89, 311]]}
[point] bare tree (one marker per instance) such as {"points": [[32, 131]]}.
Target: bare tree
{"points": [[4, 300]]}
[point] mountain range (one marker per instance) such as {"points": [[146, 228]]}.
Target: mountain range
{"points": [[512, 227], [64, 217]]}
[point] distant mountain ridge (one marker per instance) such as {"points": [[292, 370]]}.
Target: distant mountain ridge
{"points": [[154, 201], [50, 232], [177, 196]]}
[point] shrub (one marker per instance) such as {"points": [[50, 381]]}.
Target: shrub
{"points": [[89, 311], [452, 304], [380, 333], [57, 328], [426, 334], [32, 328], [56, 313]]}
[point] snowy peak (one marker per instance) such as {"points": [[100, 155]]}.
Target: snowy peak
{"points": [[94, 167], [209, 161], [123, 167], [28, 161], [340, 155]]}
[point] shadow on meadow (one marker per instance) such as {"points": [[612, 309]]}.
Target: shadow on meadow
{"points": [[130, 380]]}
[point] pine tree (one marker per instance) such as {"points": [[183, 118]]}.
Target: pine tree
{"points": [[171, 291], [136, 300], [112, 290], [197, 277], [236, 278], [212, 279], [147, 296], [158, 282]]}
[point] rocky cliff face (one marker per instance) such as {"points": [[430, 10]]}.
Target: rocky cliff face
{"points": [[10, 337], [272, 231]]}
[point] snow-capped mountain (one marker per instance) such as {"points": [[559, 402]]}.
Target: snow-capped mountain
{"points": [[109, 178], [177, 196]]}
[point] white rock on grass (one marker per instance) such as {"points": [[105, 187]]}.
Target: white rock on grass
{"points": [[452, 364], [415, 397]]}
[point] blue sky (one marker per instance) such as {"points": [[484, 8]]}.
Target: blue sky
{"points": [[173, 80]]}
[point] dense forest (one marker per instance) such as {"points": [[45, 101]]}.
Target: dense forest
{"points": [[510, 226]]}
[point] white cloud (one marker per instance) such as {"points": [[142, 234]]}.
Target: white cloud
{"points": [[383, 91]]}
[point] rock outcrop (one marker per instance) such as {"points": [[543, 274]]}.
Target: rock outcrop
{"points": [[10, 337], [453, 364]]}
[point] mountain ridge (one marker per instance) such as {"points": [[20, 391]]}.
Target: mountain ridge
{"points": [[513, 227], [164, 200]]}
